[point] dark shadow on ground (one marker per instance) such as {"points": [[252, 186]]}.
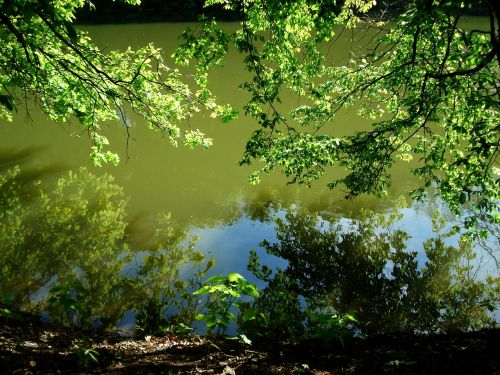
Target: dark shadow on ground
{"points": [[28, 346]]}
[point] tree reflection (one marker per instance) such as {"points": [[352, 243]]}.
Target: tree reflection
{"points": [[74, 231], [73, 235], [163, 297], [364, 268]]}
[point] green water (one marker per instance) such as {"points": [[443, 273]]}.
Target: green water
{"points": [[200, 187]]}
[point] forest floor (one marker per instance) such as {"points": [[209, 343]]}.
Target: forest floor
{"points": [[28, 346]]}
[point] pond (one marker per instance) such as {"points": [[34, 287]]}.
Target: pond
{"points": [[85, 226]]}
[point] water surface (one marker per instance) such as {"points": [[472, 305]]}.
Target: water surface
{"points": [[205, 191]]}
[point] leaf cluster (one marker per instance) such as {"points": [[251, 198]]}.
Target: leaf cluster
{"points": [[428, 83], [45, 59], [224, 295]]}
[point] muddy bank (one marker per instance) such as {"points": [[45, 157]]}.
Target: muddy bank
{"points": [[28, 346]]}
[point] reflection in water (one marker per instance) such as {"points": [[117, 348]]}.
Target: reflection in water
{"points": [[75, 231], [165, 280], [365, 268], [71, 239], [68, 246]]}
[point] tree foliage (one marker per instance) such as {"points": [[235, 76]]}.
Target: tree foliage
{"points": [[44, 58], [429, 84]]}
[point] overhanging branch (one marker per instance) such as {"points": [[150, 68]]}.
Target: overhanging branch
{"points": [[465, 72]]}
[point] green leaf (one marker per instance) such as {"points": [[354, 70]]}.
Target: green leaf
{"points": [[233, 293], [216, 279], [245, 339], [203, 290], [234, 277], [199, 317]]}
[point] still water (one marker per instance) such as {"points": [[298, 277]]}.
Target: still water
{"points": [[205, 192]]}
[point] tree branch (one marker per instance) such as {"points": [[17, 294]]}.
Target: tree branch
{"points": [[465, 72], [20, 38]]}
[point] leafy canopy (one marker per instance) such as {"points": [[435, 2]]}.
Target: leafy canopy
{"points": [[44, 58], [429, 84]]}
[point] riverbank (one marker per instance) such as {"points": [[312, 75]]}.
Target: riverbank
{"points": [[28, 346]]}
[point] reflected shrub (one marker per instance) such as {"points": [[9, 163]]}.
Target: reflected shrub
{"points": [[68, 232], [364, 269], [279, 311], [163, 298], [72, 238]]}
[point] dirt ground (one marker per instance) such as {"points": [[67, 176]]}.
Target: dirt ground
{"points": [[28, 346]]}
